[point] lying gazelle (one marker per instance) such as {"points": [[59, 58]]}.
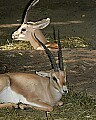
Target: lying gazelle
{"points": [[33, 90], [27, 30]]}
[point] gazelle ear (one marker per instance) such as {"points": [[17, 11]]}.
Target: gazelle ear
{"points": [[43, 73], [41, 24]]}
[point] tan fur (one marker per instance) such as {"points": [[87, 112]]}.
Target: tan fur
{"points": [[32, 28], [36, 89]]}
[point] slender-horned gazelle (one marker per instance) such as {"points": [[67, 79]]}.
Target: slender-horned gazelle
{"points": [[34, 90], [27, 30]]}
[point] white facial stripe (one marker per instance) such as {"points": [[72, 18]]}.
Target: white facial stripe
{"points": [[58, 81], [61, 72]]}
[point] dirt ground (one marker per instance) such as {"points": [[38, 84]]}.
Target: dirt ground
{"points": [[74, 18]]}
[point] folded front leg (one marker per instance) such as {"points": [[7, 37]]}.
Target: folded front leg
{"points": [[8, 105], [41, 106]]}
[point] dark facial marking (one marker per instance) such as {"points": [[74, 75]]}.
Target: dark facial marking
{"points": [[54, 78], [23, 30]]}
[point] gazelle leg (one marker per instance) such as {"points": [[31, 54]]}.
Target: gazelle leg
{"points": [[60, 103], [23, 106], [44, 107], [49, 114], [40, 106], [8, 105]]}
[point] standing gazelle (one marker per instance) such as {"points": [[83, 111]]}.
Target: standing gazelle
{"points": [[27, 30], [33, 90]]}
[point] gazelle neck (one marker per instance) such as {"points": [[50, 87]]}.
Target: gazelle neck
{"points": [[56, 95], [39, 35]]}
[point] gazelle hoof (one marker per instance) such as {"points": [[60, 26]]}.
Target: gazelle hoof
{"points": [[60, 103]]}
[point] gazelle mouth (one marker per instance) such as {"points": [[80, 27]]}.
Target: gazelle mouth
{"points": [[65, 92], [14, 37]]}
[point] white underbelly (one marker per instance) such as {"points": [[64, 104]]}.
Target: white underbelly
{"points": [[8, 95]]}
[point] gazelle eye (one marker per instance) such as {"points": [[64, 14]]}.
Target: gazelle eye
{"points": [[23, 30], [54, 78]]}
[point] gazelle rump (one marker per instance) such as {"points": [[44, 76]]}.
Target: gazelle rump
{"points": [[34, 90], [27, 30]]}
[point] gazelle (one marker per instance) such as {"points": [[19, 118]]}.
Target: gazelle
{"points": [[27, 30], [34, 90]]}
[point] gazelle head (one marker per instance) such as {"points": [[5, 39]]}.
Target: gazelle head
{"points": [[27, 29], [58, 74]]}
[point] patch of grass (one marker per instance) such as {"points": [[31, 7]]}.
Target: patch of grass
{"points": [[74, 42], [76, 107], [68, 42], [16, 45]]}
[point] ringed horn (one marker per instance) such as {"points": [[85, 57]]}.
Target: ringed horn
{"points": [[51, 57], [31, 5]]}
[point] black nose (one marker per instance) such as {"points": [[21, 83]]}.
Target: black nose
{"points": [[65, 92]]}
